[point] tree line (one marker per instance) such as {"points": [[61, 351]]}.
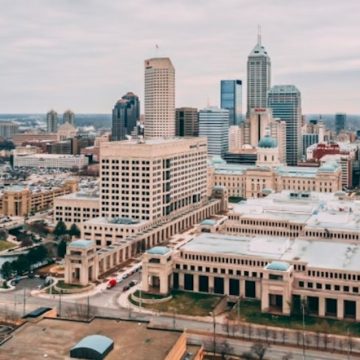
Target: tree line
{"points": [[24, 263]]}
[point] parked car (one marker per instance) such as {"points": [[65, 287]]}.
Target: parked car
{"points": [[132, 283], [111, 283], [126, 288]]}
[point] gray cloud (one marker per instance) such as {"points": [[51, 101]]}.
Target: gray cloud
{"points": [[85, 54]]}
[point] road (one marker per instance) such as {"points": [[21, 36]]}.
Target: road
{"points": [[105, 304]]}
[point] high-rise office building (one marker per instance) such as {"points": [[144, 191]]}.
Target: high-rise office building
{"points": [[285, 102], [258, 77], [231, 99], [125, 114], [52, 121], [69, 117], [214, 125], [187, 121], [340, 121], [159, 98], [153, 178]]}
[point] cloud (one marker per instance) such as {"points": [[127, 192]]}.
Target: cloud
{"points": [[85, 54]]}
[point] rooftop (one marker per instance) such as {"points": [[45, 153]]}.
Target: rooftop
{"points": [[55, 338], [82, 244], [317, 254], [158, 250], [320, 210]]}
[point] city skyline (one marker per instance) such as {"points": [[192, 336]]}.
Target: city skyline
{"points": [[85, 58]]}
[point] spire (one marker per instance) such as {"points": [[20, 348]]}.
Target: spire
{"points": [[259, 34]]}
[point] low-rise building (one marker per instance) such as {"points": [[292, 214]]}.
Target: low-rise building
{"points": [[59, 161], [250, 181], [19, 200], [278, 271], [75, 208]]}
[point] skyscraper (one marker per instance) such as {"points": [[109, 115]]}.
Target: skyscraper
{"points": [[214, 124], [285, 101], [231, 99], [340, 120], [125, 114], [187, 121], [51, 121], [258, 77], [159, 98], [69, 117]]}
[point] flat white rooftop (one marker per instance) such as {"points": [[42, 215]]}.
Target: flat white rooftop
{"points": [[316, 210], [316, 254]]}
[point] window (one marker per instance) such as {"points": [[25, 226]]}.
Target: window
{"points": [[301, 284], [318, 286]]}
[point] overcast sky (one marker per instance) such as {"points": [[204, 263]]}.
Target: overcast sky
{"points": [[85, 54]]}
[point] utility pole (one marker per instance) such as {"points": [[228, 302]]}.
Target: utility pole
{"points": [[24, 303], [88, 308], [214, 334], [174, 320], [303, 324], [60, 303]]}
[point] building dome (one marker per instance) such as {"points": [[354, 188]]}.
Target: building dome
{"points": [[267, 142]]}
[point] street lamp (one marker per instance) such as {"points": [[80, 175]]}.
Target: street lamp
{"points": [[303, 325]]}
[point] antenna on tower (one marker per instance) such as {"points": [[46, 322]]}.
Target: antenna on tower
{"points": [[259, 34]]}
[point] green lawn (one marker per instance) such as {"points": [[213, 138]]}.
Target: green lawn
{"points": [[61, 284], [4, 245], [235, 199], [186, 303], [250, 312], [145, 295]]}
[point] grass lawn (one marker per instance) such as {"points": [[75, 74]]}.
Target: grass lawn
{"points": [[250, 312], [4, 245], [144, 295], [186, 303], [61, 284], [235, 199]]}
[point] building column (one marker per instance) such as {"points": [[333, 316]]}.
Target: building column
{"points": [[340, 309], [196, 282], [226, 285], [357, 310], [181, 280], [321, 306], [211, 284], [242, 288], [257, 289]]}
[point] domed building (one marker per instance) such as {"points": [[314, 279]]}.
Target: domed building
{"points": [[268, 151]]}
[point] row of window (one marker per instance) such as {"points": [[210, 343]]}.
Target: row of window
{"points": [[319, 286]]}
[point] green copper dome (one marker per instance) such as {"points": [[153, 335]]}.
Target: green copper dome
{"points": [[267, 142]]}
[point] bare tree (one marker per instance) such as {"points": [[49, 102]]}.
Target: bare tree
{"points": [[226, 326], [274, 336], [287, 356], [283, 336], [224, 349], [326, 340], [259, 349], [298, 337], [317, 339]]}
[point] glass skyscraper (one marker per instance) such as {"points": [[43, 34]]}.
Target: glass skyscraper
{"points": [[125, 114], [340, 120], [231, 99], [214, 125], [285, 101]]}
